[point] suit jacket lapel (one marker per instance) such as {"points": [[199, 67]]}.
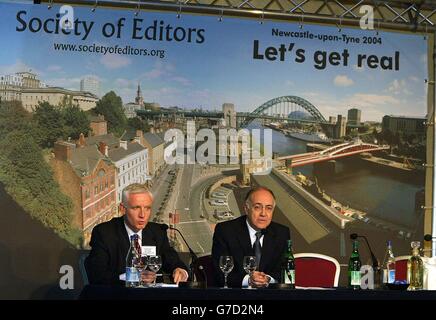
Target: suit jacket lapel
{"points": [[148, 237], [267, 249], [124, 243], [244, 238]]}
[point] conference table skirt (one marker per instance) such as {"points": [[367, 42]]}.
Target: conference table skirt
{"points": [[98, 292]]}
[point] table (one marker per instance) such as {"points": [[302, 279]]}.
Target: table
{"points": [[98, 292]]}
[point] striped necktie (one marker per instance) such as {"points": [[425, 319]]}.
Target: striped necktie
{"points": [[257, 248]]}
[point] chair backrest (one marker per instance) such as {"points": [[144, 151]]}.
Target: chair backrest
{"points": [[205, 272], [316, 270], [401, 267], [82, 267]]}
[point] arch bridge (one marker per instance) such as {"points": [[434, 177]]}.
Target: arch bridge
{"points": [[290, 108], [342, 150]]}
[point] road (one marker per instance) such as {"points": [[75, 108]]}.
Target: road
{"points": [[160, 189], [184, 192], [193, 220]]}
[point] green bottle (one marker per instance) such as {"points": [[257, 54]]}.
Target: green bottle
{"points": [[415, 268], [354, 267], [288, 265]]}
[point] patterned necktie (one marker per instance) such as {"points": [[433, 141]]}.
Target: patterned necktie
{"points": [[138, 247], [257, 248]]}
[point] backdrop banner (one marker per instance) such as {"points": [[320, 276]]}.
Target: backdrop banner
{"points": [[94, 100]]}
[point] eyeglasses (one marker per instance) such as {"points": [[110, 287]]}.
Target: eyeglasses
{"points": [[259, 208]]}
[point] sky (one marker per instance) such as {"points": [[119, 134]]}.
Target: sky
{"points": [[221, 69]]}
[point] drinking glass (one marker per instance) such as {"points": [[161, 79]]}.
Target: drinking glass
{"points": [[142, 266], [154, 264], [249, 264], [226, 266]]}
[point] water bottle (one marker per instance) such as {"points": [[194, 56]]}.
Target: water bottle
{"points": [[288, 265], [354, 266], [415, 268], [388, 266], [133, 259]]}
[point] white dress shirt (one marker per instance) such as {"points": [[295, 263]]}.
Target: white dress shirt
{"points": [[252, 233], [130, 232]]}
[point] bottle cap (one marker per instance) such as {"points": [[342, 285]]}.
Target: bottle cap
{"points": [[415, 244]]}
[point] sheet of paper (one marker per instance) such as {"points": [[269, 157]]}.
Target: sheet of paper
{"points": [[313, 288], [148, 250], [122, 277]]}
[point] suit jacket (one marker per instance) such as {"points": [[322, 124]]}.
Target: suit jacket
{"points": [[231, 238], [110, 243]]}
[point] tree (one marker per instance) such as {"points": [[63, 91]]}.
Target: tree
{"points": [[76, 121], [137, 123], [25, 174], [411, 138], [50, 124], [29, 180], [387, 136], [14, 117], [111, 106]]}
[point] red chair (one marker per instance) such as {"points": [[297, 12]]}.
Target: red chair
{"points": [[316, 270], [401, 267]]}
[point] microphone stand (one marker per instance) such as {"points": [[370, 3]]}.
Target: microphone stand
{"points": [[373, 257], [375, 264], [194, 258]]}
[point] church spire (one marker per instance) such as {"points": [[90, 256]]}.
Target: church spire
{"points": [[139, 99]]}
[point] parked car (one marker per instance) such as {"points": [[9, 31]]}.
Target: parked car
{"points": [[218, 202], [228, 186], [228, 215], [224, 215], [219, 195]]}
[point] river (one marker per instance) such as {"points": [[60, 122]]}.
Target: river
{"points": [[385, 195]]}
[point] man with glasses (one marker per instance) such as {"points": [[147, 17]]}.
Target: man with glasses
{"points": [[110, 241], [253, 234]]}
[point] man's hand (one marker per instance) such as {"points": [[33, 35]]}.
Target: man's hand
{"points": [[180, 275], [148, 277], [259, 279]]}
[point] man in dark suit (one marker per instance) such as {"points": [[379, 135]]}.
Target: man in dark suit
{"points": [[110, 241], [253, 234]]}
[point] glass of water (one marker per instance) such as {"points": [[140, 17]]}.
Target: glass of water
{"points": [[154, 264], [249, 264], [226, 266]]}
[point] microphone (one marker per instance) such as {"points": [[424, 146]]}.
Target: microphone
{"points": [[200, 267], [428, 237], [193, 255], [354, 236]]}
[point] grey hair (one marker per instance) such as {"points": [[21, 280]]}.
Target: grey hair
{"points": [[133, 188]]}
